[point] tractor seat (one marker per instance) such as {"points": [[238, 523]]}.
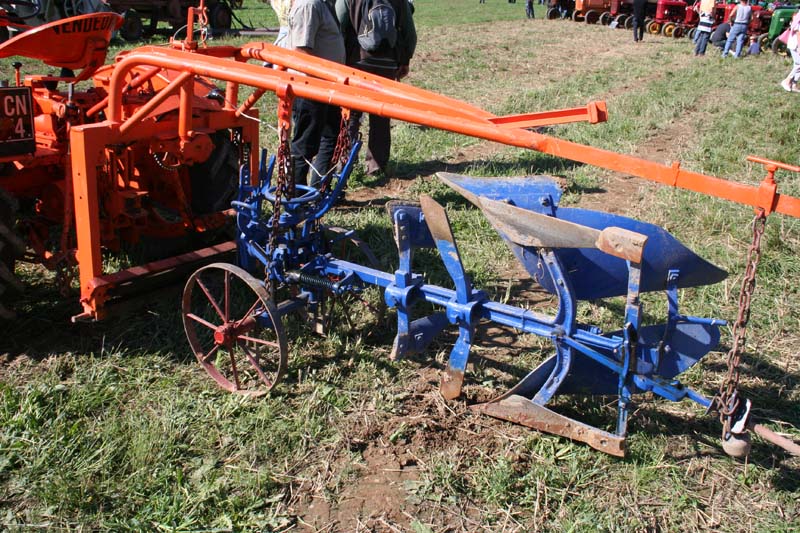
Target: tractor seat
{"points": [[73, 43]]}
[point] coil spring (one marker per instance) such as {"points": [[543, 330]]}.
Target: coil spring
{"points": [[312, 280]]}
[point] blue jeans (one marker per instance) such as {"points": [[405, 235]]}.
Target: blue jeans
{"points": [[738, 33], [701, 42]]}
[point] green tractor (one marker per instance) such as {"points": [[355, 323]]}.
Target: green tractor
{"points": [[780, 21]]}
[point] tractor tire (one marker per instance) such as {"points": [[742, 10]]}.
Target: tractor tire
{"points": [[779, 48], [629, 23], [621, 21], [11, 248], [215, 181], [691, 33], [220, 19], [763, 41], [605, 18], [577, 16], [653, 27], [132, 28], [678, 32], [552, 14], [668, 29], [591, 17]]}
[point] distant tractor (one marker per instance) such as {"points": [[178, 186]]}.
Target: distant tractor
{"points": [[560, 9], [590, 10], [220, 16], [668, 19], [779, 22]]}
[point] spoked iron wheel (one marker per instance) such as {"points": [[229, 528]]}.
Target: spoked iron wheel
{"points": [[234, 329]]}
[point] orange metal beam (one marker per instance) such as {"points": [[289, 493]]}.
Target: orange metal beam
{"points": [[428, 109]]}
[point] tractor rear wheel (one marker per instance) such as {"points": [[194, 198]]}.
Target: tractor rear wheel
{"points": [[132, 26], [11, 248], [216, 180], [591, 17], [763, 41], [605, 18], [668, 29], [779, 48], [629, 23]]}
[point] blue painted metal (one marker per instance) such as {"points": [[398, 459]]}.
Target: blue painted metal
{"points": [[586, 361]]}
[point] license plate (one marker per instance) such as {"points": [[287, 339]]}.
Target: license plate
{"points": [[17, 135]]}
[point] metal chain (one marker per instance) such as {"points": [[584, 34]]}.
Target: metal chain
{"points": [[342, 150], [727, 400], [282, 186]]}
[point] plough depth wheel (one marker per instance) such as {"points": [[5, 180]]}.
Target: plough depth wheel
{"points": [[234, 329]]}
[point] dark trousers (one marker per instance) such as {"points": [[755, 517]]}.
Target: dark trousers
{"points": [[316, 128], [379, 143], [638, 27]]}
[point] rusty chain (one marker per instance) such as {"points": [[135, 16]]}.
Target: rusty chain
{"points": [[283, 186], [727, 401]]}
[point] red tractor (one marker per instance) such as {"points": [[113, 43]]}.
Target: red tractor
{"points": [[669, 18], [152, 187]]}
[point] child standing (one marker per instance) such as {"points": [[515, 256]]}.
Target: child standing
{"points": [[703, 33]]}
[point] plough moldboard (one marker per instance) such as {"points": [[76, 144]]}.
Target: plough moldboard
{"points": [[233, 314]]}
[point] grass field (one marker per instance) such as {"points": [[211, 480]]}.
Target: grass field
{"points": [[113, 426]]}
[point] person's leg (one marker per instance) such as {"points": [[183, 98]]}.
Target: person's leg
{"points": [[740, 38], [323, 163], [728, 42], [307, 118], [379, 144], [702, 43], [794, 75]]}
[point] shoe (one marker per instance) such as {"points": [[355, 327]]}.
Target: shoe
{"points": [[786, 86]]}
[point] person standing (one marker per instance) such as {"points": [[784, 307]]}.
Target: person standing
{"points": [[638, 19], [529, 9], [377, 46], [792, 81], [740, 15], [313, 30], [703, 32]]}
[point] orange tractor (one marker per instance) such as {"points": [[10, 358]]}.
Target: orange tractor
{"points": [[148, 185]]}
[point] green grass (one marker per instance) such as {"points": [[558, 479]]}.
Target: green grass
{"points": [[113, 426]]}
